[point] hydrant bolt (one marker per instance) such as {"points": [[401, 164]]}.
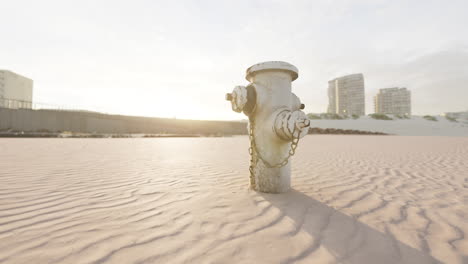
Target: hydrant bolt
{"points": [[302, 106], [228, 97]]}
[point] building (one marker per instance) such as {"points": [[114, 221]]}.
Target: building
{"points": [[395, 101], [346, 95], [15, 90]]}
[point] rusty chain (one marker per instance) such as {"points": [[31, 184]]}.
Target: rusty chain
{"points": [[255, 154]]}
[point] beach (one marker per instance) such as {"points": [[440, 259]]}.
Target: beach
{"points": [[355, 199]]}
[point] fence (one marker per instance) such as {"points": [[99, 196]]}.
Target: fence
{"points": [[17, 115], [22, 104]]}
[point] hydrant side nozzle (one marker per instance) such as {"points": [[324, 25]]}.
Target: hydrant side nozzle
{"points": [[288, 123], [238, 98], [302, 106]]}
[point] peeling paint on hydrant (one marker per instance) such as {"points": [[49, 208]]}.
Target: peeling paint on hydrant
{"points": [[276, 123]]}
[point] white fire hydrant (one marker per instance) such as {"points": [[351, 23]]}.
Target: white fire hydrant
{"points": [[276, 123]]}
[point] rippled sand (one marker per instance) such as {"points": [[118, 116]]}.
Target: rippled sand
{"points": [[356, 199]]}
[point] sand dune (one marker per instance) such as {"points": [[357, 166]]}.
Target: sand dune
{"points": [[356, 199], [416, 126]]}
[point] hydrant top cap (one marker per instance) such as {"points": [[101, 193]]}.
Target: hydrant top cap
{"points": [[272, 65]]}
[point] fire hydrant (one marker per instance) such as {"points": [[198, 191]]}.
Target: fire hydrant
{"points": [[276, 123]]}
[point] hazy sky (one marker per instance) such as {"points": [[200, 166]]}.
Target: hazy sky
{"points": [[179, 58]]}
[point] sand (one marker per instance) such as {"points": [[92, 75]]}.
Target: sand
{"points": [[416, 126], [356, 199]]}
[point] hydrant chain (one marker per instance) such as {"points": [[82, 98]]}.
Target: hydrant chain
{"points": [[254, 151], [253, 158]]}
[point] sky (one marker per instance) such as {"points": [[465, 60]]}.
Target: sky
{"points": [[178, 59]]}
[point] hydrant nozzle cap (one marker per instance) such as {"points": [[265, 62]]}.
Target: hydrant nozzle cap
{"points": [[272, 65]]}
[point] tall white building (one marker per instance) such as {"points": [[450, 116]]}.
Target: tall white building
{"points": [[15, 90], [396, 101], [346, 95]]}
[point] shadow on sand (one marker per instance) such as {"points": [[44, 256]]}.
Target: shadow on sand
{"points": [[343, 236]]}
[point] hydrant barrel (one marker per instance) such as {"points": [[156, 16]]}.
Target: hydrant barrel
{"points": [[276, 123]]}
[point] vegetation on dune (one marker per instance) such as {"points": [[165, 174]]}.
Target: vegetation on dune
{"points": [[313, 116], [380, 116], [331, 116], [430, 118], [335, 131], [451, 119]]}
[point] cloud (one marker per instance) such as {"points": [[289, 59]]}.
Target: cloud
{"points": [[155, 54], [438, 81]]}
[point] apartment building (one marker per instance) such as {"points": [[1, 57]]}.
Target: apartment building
{"points": [[346, 95], [15, 90], [395, 101]]}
